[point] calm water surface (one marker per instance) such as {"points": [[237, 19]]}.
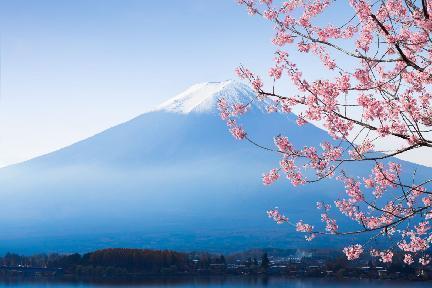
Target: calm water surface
{"points": [[218, 282]]}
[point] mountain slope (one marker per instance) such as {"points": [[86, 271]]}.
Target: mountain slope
{"points": [[170, 178]]}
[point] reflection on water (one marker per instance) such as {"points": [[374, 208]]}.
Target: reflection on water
{"points": [[226, 282]]}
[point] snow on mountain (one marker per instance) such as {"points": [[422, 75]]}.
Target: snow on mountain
{"points": [[202, 97]]}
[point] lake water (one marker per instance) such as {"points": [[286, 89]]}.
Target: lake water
{"points": [[219, 282]]}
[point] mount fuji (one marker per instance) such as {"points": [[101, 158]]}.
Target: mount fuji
{"points": [[171, 178]]}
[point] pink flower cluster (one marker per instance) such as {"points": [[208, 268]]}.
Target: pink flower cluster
{"points": [[228, 112], [385, 256], [277, 216], [331, 225], [303, 227], [270, 177], [353, 252], [408, 259]]}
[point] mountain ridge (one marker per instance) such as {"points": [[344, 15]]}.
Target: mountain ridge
{"points": [[163, 180], [197, 98]]}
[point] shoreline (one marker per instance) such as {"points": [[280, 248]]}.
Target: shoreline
{"points": [[195, 278]]}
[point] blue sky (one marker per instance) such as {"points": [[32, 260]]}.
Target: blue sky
{"points": [[73, 68], [70, 69]]}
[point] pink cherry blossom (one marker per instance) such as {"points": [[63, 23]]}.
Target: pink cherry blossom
{"points": [[238, 132], [270, 177], [303, 227], [408, 259], [353, 252], [386, 256], [277, 216], [425, 260]]}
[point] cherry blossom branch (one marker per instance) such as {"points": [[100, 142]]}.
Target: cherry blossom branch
{"points": [[392, 101]]}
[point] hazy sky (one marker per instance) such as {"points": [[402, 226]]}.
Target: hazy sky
{"points": [[70, 69]]}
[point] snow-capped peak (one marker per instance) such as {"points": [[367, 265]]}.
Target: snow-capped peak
{"points": [[202, 97]]}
